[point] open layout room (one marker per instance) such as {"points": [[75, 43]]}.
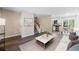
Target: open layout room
{"points": [[39, 28]]}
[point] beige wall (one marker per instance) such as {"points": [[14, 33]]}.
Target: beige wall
{"points": [[14, 23], [45, 23], [27, 30], [12, 27], [0, 12]]}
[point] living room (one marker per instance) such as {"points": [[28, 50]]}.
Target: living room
{"points": [[27, 27]]}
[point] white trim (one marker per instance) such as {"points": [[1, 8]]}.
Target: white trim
{"points": [[24, 35], [12, 35]]}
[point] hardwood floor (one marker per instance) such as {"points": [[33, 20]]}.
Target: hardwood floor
{"points": [[12, 44]]}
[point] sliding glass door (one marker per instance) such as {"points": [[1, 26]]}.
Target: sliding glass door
{"points": [[68, 24]]}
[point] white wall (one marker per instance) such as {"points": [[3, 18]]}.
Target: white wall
{"points": [[27, 30]]}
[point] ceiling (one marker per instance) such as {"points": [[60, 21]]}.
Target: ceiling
{"points": [[44, 10]]}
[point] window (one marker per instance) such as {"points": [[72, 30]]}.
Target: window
{"points": [[69, 23]]}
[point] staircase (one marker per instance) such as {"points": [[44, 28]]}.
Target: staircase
{"points": [[36, 27], [35, 30]]}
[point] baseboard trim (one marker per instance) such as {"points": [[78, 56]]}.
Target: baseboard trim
{"points": [[12, 36]]}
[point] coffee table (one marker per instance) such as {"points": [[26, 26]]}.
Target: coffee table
{"points": [[43, 39]]}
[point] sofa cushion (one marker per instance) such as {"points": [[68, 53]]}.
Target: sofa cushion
{"points": [[72, 36], [74, 48]]}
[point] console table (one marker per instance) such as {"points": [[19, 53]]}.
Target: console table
{"points": [[2, 41], [2, 33], [56, 27]]}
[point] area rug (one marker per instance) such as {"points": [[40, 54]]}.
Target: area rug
{"points": [[33, 46], [62, 46]]}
